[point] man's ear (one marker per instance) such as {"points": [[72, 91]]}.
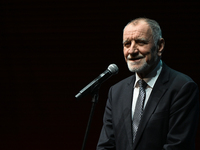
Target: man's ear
{"points": [[161, 45]]}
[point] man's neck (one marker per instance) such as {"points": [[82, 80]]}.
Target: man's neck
{"points": [[148, 72]]}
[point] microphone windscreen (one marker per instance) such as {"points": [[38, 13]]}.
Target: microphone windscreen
{"points": [[113, 68]]}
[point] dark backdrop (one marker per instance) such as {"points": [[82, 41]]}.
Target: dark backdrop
{"points": [[51, 49]]}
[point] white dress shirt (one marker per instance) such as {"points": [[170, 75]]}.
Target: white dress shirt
{"points": [[150, 80]]}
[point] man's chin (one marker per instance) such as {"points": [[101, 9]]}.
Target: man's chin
{"points": [[133, 68], [137, 68]]}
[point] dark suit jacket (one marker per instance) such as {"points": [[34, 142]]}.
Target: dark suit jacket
{"points": [[169, 121]]}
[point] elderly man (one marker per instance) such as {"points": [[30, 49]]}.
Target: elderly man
{"points": [[157, 108]]}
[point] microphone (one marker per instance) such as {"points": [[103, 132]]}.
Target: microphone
{"points": [[111, 70]]}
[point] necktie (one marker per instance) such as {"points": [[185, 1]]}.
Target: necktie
{"points": [[139, 107]]}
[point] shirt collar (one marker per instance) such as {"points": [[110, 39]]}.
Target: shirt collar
{"points": [[151, 78]]}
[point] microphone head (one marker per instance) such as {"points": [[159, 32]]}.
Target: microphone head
{"points": [[113, 68]]}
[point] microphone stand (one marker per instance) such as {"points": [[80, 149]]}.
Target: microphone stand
{"points": [[94, 102]]}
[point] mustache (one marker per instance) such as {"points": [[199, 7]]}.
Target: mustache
{"points": [[130, 57]]}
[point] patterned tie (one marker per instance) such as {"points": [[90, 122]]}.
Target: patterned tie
{"points": [[139, 107]]}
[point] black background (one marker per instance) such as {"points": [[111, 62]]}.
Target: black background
{"points": [[51, 49]]}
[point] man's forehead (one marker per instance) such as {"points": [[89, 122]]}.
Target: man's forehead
{"points": [[140, 27], [137, 31], [134, 32]]}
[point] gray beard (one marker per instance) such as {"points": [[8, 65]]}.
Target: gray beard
{"points": [[138, 69]]}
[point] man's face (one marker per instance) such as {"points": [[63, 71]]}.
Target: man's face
{"points": [[139, 50]]}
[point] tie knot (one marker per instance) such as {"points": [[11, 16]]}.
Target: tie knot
{"points": [[142, 83]]}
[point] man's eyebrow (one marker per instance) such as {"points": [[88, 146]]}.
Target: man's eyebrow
{"points": [[141, 39], [136, 39], [125, 41]]}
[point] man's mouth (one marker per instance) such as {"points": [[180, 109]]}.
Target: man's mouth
{"points": [[135, 58]]}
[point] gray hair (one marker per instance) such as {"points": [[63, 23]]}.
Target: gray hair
{"points": [[155, 27]]}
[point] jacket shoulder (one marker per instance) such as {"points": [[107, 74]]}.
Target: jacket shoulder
{"points": [[129, 80], [179, 76]]}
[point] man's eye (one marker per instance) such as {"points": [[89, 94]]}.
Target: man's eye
{"points": [[127, 44], [141, 42]]}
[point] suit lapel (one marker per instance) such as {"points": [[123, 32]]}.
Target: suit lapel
{"points": [[156, 94], [127, 109]]}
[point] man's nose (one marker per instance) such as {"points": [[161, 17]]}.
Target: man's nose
{"points": [[133, 48]]}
